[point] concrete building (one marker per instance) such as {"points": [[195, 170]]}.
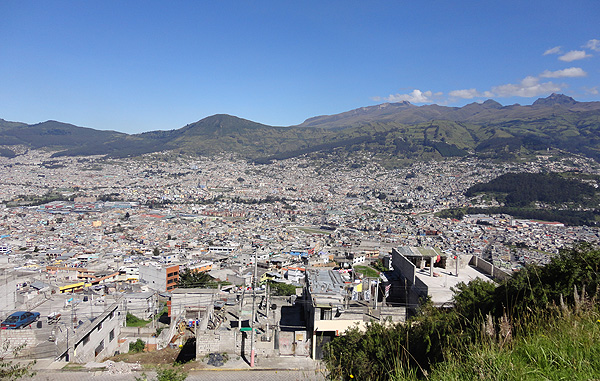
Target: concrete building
{"points": [[295, 274], [97, 339], [160, 277], [192, 304], [141, 304], [328, 309], [422, 272], [202, 267]]}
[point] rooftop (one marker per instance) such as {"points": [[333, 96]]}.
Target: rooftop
{"points": [[439, 287]]}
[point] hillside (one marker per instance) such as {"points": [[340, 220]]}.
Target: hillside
{"points": [[52, 134], [393, 132], [562, 197]]}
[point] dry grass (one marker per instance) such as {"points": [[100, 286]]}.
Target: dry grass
{"points": [[166, 356]]}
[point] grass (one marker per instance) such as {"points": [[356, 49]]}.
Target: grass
{"points": [[559, 347], [76, 367], [367, 271], [134, 321], [548, 344], [314, 231], [564, 348]]}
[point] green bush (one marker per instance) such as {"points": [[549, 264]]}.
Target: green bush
{"points": [[170, 374], [165, 373], [137, 346]]}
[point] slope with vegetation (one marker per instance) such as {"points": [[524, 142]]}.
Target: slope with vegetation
{"points": [[543, 323], [394, 133], [558, 197]]}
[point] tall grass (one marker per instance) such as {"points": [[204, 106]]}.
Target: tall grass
{"points": [[561, 347], [553, 343]]}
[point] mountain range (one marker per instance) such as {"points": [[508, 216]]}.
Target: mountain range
{"points": [[399, 131]]}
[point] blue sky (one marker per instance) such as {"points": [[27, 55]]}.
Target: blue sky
{"points": [[136, 66]]}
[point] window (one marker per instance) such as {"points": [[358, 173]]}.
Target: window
{"points": [[86, 340], [99, 348], [111, 335], [99, 326]]}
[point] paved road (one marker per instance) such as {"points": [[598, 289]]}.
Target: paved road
{"points": [[220, 375], [273, 368]]}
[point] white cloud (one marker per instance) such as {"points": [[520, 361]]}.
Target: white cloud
{"points": [[529, 87], [554, 50], [592, 90], [465, 94], [415, 96], [593, 45], [574, 55], [564, 73]]}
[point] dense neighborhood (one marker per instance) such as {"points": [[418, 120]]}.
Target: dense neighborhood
{"points": [[94, 245]]}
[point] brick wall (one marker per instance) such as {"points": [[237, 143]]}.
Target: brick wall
{"points": [[10, 339]]}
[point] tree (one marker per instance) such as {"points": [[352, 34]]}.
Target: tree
{"points": [[282, 289], [12, 371], [193, 279]]}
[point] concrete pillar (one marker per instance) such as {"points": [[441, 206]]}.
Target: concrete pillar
{"points": [[431, 267], [457, 260]]}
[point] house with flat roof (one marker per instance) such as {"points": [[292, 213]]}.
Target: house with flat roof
{"points": [[328, 308], [420, 272]]}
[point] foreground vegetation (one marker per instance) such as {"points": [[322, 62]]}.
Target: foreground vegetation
{"points": [[544, 323]]}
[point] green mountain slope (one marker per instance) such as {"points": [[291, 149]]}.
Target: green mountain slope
{"points": [[397, 131], [52, 134]]}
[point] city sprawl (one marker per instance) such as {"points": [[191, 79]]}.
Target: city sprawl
{"points": [[95, 239]]}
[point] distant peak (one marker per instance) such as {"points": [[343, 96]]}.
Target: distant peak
{"points": [[403, 103], [490, 103], [555, 99]]}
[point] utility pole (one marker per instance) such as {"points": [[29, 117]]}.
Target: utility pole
{"points": [[241, 308], [253, 310], [68, 349], [376, 293], [239, 330], [267, 298]]}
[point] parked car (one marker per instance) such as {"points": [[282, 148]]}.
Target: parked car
{"points": [[20, 319]]}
